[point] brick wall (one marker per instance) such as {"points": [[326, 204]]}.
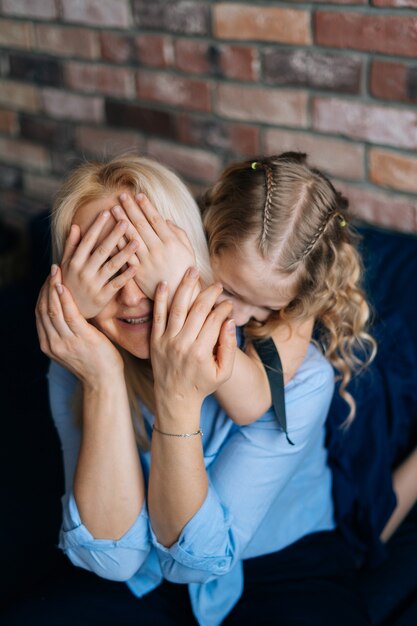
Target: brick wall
{"points": [[198, 83]]}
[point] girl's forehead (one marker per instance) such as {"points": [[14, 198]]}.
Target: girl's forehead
{"points": [[252, 277]]}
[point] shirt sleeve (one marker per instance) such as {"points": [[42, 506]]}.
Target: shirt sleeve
{"points": [[247, 476], [115, 560]]}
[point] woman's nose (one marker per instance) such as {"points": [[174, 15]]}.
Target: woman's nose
{"points": [[130, 294]]}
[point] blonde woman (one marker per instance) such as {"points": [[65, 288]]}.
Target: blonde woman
{"points": [[239, 504]]}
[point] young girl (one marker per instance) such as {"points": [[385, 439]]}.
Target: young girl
{"points": [[240, 504]]}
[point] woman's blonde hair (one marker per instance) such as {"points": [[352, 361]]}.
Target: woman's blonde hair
{"points": [[301, 224], [94, 180]]}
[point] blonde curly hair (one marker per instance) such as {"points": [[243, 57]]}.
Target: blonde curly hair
{"points": [[299, 220]]}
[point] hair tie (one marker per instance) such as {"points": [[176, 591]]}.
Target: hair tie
{"points": [[342, 221], [254, 165]]}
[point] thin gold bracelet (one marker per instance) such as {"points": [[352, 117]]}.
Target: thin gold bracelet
{"points": [[161, 432]]}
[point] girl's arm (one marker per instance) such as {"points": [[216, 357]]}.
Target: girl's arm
{"points": [[405, 488], [108, 484], [246, 395]]}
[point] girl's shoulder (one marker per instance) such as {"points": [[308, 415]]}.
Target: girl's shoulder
{"points": [[314, 372]]}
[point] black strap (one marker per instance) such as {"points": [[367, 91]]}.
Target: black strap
{"points": [[270, 358]]}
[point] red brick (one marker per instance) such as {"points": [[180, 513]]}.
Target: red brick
{"points": [[63, 105], [400, 4], [336, 1], [182, 16], [316, 70], [272, 106], [239, 62], [116, 81], [392, 81], [98, 12], [240, 21], [64, 41], [190, 162], [43, 9], [8, 122], [385, 209], [390, 169], [16, 34], [116, 47], [21, 96], [18, 152], [105, 142], [144, 119], [334, 156], [377, 124], [194, 56], [389, 34], [40, 186], [217, 134], [201, 57], [174, 90], [155, 50]]}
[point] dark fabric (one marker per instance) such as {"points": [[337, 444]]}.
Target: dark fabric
{"points": [[271, 360], [309, 583], [390, 590], [384, 431]]}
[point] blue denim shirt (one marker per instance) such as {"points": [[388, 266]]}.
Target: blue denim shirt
{"points": [[263, 495]]}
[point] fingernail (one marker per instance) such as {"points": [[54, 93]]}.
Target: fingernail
{"points": [[140, 197], [60, 289], [123, 196], [193, 272], [122, 225], [133, 244], [117, 210], [105, 214], [162, 286], [219, 286], [54, 269], [231, 326]]}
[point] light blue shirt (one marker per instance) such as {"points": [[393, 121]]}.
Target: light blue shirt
{"points": [[263, 495]]}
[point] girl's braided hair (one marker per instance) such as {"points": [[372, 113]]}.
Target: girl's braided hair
{"points": [[299, 222]]}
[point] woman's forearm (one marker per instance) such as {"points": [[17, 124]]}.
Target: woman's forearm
{"points": [[108, 484], [178, 480], [405, 487]]}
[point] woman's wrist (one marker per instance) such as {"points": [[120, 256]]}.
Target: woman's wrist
{"points": [[177, 417], [104, 379]]}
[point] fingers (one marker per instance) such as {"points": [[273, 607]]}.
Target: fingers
{"points": [[226, 348], [138, 219], [108, 291], [181, 302], [55, 313], [116, 262], [71, 243], [106, 247], [160, 311], [72, 317], [202, 316], [157, 222], [90, 238]]}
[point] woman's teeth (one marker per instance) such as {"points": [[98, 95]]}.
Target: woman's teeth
{"points": [[137, 320]]}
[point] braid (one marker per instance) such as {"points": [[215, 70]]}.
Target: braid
{"points": [[270, 185], [317, 235]]}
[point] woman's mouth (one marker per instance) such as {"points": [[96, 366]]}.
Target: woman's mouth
{"points": [[136, 323]]}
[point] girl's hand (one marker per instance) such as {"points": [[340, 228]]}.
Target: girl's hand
{"points": [[66, 337], [88, 270], [192, 349], [164, 251]]}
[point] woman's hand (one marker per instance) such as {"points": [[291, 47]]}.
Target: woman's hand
{"points": [[164, 251], [89, 271], [66, 337], [192, 349]]}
